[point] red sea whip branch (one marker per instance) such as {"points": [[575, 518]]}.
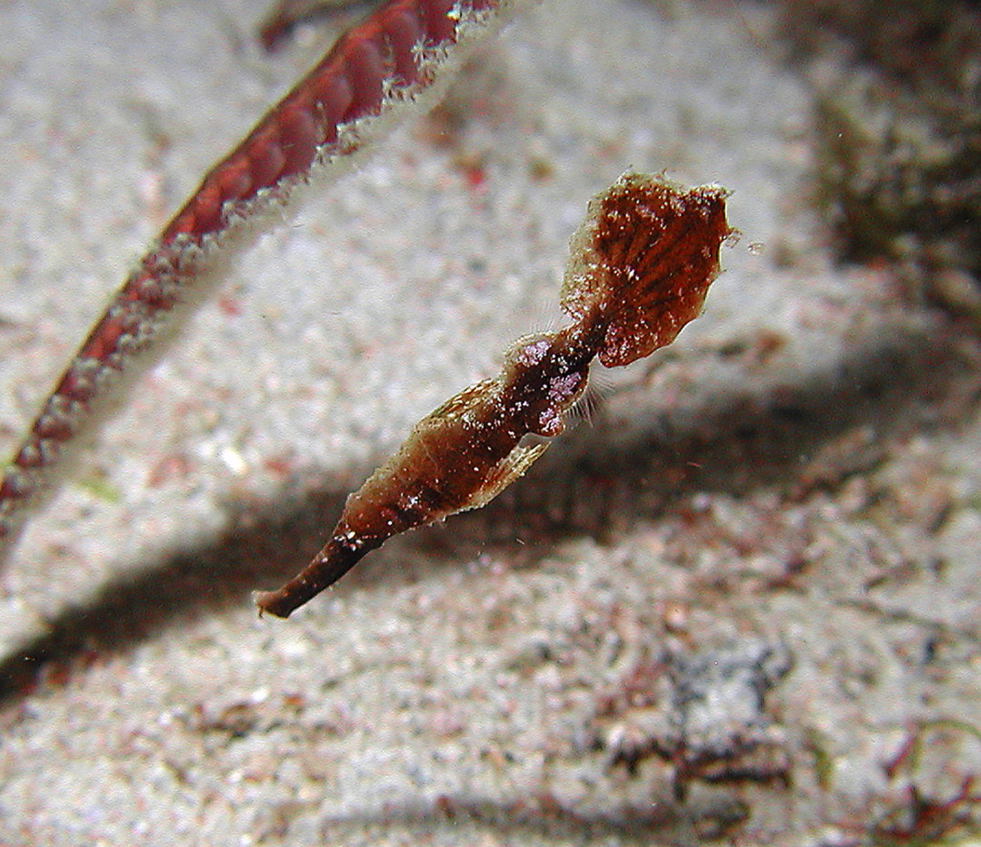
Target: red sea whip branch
{"points": [[375, 74]]}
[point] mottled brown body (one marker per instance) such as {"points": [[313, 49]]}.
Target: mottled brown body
{"points": [[640, 268], [459, 457]]}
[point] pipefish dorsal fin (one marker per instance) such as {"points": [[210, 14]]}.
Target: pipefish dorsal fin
{"points": [[643, 261]]}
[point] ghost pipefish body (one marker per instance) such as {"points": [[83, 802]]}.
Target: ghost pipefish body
{"points": [[640, 267]]}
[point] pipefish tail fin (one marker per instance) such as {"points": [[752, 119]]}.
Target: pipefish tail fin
{"points": [[642, 262]]}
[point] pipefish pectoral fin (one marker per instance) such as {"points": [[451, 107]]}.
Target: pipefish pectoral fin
{"points": [[642, 262], [510, 468]]}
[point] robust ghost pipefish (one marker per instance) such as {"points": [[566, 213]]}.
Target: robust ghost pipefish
{"points": [[640, 267], [393, 63]]}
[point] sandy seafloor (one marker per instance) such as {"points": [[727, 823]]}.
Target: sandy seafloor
{"points": [[740, 603]]}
